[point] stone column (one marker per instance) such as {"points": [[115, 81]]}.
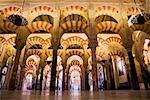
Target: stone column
{"points": [[134, 78], [42, 65], [22, 34], [94, 66], [111, 74], [115, 71], [22, 68], [85, 67], [53, 70], [64, 61], [126, 35], [91, 30], [12, 84]]}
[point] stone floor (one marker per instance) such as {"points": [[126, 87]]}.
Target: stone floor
{"points": [[84, 95]]}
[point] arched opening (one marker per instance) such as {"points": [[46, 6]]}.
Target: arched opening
{"points": [[75, 78], [74, 70], [32, 76], [47, 74]]}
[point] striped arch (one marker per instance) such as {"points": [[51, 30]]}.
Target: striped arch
{"points": [[108, 10], [112, 39], [11, 41], [73, 40], [34, 40], [59, 53], [49, 53], [48, 42], [33, 52], [100, 40], [40, 10], [144, 27], [31, 62], [74, 26], [108, 26], [133, 11], [8, 27], [75, 52], [6, 12], [73, 63], [31, 67], [99, 55], [39, 25], [74, 9], [2, 40], [11, 52], [116, 49]]}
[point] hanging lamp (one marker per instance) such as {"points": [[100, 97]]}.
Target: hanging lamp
{"points": [[17, 19]]}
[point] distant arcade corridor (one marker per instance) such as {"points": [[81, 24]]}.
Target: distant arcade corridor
{"points": [[73, 46]]}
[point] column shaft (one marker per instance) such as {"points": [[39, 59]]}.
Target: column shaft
{"points": [[53, 70], [134, 78], [12, 84]]}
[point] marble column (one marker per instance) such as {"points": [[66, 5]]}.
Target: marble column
{"points": [[22, 68], [42, 65], [85, 67], [12, 84], [134, 78], [94, 67], [64, 63], [53, 69], [115, 71], [21, 36]]}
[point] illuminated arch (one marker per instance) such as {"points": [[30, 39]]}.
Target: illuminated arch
{"points": [[75, 52], [8, 27], [116, 49], [109, 11], [11, 52], [33, 52], [11, 41], [49, 53], [101, 53], [75, 68], [74, 26], [32, 63], [73, 40], [100, 41], [2, 40], [40, 10], [39, 25], [74, 58], [133, 11], [9, 11], [48, 42], [112, 39], [34, 40], [108, 26], [74, 9]]}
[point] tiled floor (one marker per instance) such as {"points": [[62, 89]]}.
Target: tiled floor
{"points": [[84, 95]]}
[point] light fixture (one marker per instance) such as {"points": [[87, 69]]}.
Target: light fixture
{"points": [[17, 19], [136, 19]]}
